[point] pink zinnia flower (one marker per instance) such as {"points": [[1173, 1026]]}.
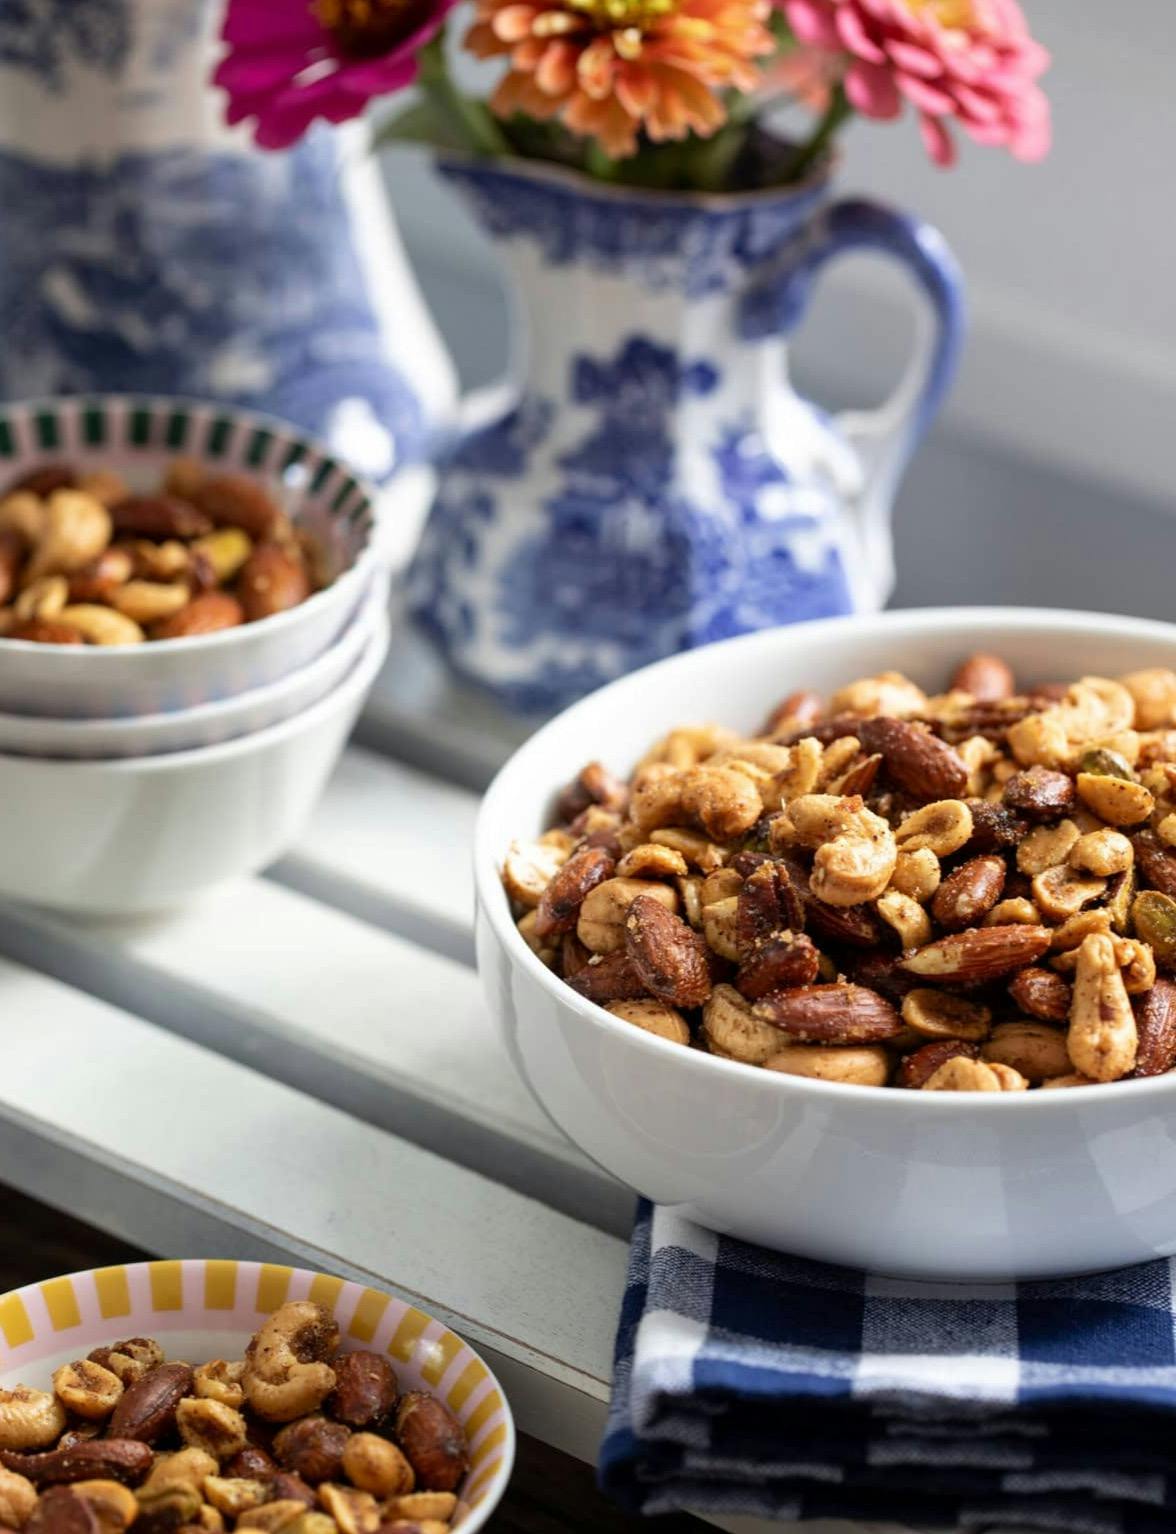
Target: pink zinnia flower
{"points": [[290, 61], [968, 60]]}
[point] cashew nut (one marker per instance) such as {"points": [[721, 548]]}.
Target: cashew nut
{"points": [[724, 801], [147, 602], [1153, 691], [601, 923], [220, 1381], [731, 1028], [654, 1017], [30, 1419], [77, 528], [44, 598], [87, 1389], [944, 826], [100, 625], [865, 1065], [917, 874], [18, 1498], [529, 868], [211, 1425], [285, 1373], [888, 693], [856, 851], [23, 513], [113, 1504]]}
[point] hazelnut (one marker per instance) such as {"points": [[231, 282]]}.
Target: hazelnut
{"points": [[432, 1440], [312, 1448], [365, 1389]]}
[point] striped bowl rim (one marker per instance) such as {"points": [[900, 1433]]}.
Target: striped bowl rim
{"points": [[86, 426], [214, 1303]]}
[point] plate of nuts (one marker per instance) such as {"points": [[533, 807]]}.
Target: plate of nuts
{"points": [[160, 554], [923, 872], [222, 1396]]}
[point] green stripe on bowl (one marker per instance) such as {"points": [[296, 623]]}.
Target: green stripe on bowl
{"points": [[343, 495], [177, 429], [139, 424], [7, 445], [259, 446], [295, 454], [219, 432], [323, 473], [94, 425], [48, 431]]}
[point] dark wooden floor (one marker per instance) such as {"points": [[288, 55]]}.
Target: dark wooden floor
{"points": [[549, 1493]]}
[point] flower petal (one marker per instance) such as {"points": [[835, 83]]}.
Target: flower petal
{"points": [[871, 92], [937, 140], [261, 23]]}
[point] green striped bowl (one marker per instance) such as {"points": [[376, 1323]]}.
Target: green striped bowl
{"points": [[138, 438]]}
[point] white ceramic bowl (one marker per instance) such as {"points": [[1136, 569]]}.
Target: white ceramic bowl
{"points": [[112, 838], [138, 438], [200, 1310], [932, 1185], [209, 724]]}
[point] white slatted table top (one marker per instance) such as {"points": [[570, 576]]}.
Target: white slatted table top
{"points": [[299, 1066]]}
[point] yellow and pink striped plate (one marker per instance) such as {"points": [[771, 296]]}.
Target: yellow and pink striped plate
{"points": [[209, 1309]]}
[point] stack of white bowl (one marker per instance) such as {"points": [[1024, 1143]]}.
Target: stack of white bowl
{"points": [[132, 777]]}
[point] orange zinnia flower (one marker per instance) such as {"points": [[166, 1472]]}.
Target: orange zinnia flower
{"points": [[609, 68]]}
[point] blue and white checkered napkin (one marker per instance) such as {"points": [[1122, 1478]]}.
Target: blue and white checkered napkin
{"points": [[748, 1382]]}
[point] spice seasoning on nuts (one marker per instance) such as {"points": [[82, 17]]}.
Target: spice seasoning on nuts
{"points": [[83, 560], [167, 1447], [974, 891]]}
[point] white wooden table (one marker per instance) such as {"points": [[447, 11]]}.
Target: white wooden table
{"points": [[299, 1067]]}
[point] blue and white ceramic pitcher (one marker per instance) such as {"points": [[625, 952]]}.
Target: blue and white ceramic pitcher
{"points": [[144, 248], [656, 482]]}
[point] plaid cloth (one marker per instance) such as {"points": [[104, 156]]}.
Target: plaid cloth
{"points": [[748, 1382]]}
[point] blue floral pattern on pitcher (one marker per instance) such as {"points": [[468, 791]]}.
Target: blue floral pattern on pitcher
{"points": [[657, 483], [174, 259]]}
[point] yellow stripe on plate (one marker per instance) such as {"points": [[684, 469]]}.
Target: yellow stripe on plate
{"points": [[167, 1285], [404, 1339], [273, 1283], [220, 1285], [491, 1442], [14, 1321], [477, 1488], [466, 1383], [113, 1291], [441, 1353], [325, 1291], [481, 1414], [368, 1314], [62, 1303]]}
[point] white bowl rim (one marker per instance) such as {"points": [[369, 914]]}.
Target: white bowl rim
{"points": [[489, 1503], [361, 565], [362, 674], [75, 729], [492, 900]]}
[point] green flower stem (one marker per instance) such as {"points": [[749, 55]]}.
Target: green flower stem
{"points": [[838, 112], [471, 120]]}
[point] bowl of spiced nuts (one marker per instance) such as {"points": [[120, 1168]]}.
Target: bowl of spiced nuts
{"points": [[857, 939], [193, 605], [224, 1396]]}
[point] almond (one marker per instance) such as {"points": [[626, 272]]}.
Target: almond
{"points": [[1155, 1022], [796, 711], [920, 1066], [559, 904], [235, 500], [1040, 793], [966, 896], [271, 581], [1157, 866], [987, 678], [670, 958], [778, 964], [983, 953], [208, 613], [916, 760], [11, 559], [45, 631], [158, 517], [1042, 993], [830, 1014]]}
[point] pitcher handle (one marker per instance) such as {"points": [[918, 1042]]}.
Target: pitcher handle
{"points": [[886, 436]]}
